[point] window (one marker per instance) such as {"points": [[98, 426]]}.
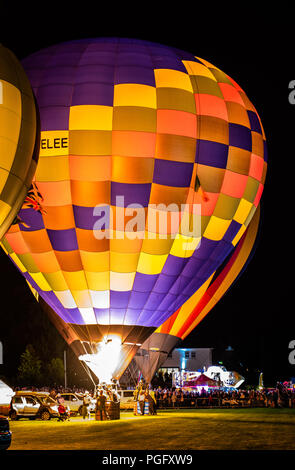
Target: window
{"points": [[17, 400], [186, 354], [193, 354], [30, 401]]}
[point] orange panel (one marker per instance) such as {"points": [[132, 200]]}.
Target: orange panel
{"points": [[234, 184], [56, 193], [69, 260], [59, 218], [46, 262], [134, 144], [17, 242], [37, 241], [93, 168], [176, 122], [87, 241], [256, 167], [230, 93], [90, 193], [211, 105]]}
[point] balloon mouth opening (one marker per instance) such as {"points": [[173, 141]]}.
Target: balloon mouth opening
{"points": [[105, 360]]}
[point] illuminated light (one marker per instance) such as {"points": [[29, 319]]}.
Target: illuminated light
{"points": [[104, 362]]}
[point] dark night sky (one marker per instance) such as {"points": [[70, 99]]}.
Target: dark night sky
{"points": [[256, 316]]}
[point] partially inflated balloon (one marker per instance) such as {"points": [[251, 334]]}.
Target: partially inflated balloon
{"points": [[133, 125], [18, 123]]}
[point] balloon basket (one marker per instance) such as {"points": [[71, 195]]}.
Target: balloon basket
{"points": [[112, 412], [146, 409]]}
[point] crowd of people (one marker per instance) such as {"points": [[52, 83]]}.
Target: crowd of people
{"points": [[159, 398]]}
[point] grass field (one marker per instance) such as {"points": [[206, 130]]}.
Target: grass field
{"points": [[229, 429]]}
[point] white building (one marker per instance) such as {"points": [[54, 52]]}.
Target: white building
{"points": [[188, 359]]}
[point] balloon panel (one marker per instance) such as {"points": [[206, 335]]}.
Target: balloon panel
{"points": [[132, 122], [18, 155]]}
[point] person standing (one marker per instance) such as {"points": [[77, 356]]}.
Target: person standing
{"points": [[101, 405], [141, 399], [85, 406]]}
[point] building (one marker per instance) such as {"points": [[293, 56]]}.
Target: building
{"points": [[188, 359]]}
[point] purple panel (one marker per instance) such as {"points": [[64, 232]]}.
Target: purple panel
{"points": [[66, 59], [174, 265], [265, 154], [170, 173], [55, 95], [240, 136], [117, 316], [86, 218], [98, 57], [130, 58], [133, 74], [138, 299], [254, 122], [60, 75], [146, 318], [167, 302], [93, 93], [206, 248], [132, 193], [55, 118], [162, 62], [211, 153], [192, 267], [164, 283], [95, 73], [63, 240], [154, 301], [32, 218], [119, 299], [144, 282], [131, 316], [232, 230], [73, 315], [221, 251], [179, 285]]}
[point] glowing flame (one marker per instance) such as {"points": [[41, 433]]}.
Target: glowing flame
{"points": [[104, 362]]}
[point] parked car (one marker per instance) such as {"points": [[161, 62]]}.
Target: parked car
{"points": [[32, 407], [73, 402], [126, 399], [5, 433]]}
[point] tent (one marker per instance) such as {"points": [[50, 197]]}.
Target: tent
{"points": [[201, 381]]}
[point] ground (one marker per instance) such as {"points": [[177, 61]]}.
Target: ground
{"points": [[226, 429]]}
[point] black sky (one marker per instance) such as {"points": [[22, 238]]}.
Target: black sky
{"points": [[256, 317]]}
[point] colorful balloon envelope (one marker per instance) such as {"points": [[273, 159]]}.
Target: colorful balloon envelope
{"points": [[133, 134], [18, 146], [154, 351]]}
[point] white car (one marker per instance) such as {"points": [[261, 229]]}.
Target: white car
{"points": [[73, 402], [126, 399]]}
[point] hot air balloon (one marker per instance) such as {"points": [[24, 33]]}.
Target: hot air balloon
{"points": [[136, 138], [153, 353], [18, 137]]}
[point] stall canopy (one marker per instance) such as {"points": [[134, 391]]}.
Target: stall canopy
{"points": [[5, 393], [201, 381]]}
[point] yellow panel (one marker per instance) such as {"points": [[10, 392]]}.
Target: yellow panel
{"points": [[151, 264], [156, 246], [9, 124], [183, 247], [3, 177], [95, 261], [121, 281], [66, 299], [75, 280], [56, 281], [216, 228], [82, 298], [54, 143], [18, 262], [4, 211], [124, 262], [53, 170], [172, 79], [11, 97], [8, 150], [188, 307], [98, 281], [92, 117], [242, 211], [41, 281], [133, 94], [195, 68]]}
